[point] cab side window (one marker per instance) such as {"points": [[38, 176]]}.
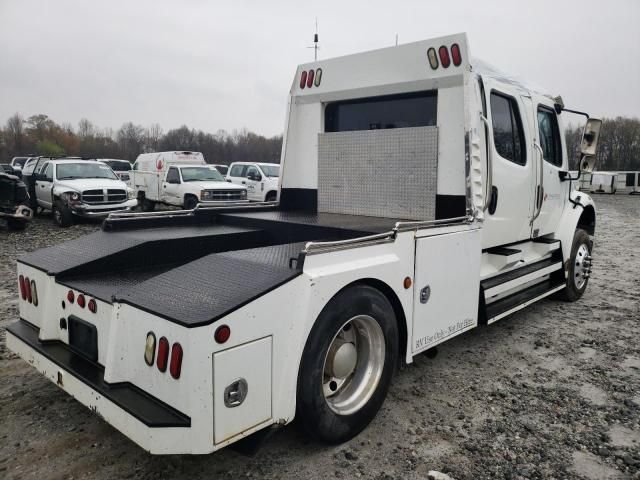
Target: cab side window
{"points": [[173, 176], [238, 171], [47, 172], [550, 136], [508, 134], [252, 171]]}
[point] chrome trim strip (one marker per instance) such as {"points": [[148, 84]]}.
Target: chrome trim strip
{"points": [[203, 206]]}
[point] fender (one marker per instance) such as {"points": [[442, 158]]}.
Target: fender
{"points": [[580, 211]]}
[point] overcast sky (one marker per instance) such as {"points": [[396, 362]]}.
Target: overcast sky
{"points": [[224, 65]]}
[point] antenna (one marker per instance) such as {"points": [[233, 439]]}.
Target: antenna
{"points": [[315, 46]]}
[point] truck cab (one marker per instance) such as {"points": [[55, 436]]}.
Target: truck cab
{"points": [[421, 194], [260, 179]]}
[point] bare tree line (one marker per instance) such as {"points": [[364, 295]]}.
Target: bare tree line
{"points": [[40, 135]]}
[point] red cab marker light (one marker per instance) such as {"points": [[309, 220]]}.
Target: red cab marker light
{"points": [[456, 56], [92, 306], [80, 301], [303, 79], [70, 296], [223, 332], [27, 287], [23, 290], [176, 360], [310, 78], [163, 354], [445, 60]]}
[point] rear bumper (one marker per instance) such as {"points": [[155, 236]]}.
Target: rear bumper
{"points": [[155, 426]]}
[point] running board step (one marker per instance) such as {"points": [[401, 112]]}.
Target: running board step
{"points": [[512, 303], [501, 257], [519, 276]]}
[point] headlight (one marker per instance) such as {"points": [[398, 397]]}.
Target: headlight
{"points": [[131, 194], [205, 194], [72, 197]]}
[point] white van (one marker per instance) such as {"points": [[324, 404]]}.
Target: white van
{"points": [[260, 179], [180, 179]]}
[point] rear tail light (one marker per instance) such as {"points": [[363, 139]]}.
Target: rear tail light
{"points": [[80, 301], [34, 293], [92, 306], [223, 332], [27, 287], [23, 289], [163, 354], [303, 79], [150, 348], [456, 56], [176, 360], [70, 296], [433, 58], [310, 78], [445, 60]]}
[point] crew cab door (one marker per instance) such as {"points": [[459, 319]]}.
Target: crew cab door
{"points": [[551, 158], [44, 186], [507, 219], [171, 187]]}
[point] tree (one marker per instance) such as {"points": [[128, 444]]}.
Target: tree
{"points": [[130, 140], [14, 133]]}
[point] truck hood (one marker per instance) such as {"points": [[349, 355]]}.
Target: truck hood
{"points": [[215, 186], [80, 184]]}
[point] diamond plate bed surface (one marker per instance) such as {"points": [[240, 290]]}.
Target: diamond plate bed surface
{"points": [[204, 290], [94, 246], [380, 173]]}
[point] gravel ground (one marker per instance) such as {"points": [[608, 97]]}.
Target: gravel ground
{"points": [[550, 392]]}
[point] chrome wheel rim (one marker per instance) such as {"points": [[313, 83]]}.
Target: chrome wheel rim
{"points": [[353, 365], [582, 267]]}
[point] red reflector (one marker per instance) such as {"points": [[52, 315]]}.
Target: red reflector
{"points": [[223, 332], [176, 360], [93, 306], [163, 354], [444, 56], [303, 79], [80, 301], [27, 287], [70, 296], [310, 78], [23, 290], [456, 56]]}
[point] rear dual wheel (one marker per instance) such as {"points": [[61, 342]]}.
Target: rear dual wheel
{"points": [[347, 364]]}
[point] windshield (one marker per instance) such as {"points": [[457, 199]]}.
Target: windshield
{"points": [[20, 161], [120, 166], [69, 171], [271, 170], [195, 174]]}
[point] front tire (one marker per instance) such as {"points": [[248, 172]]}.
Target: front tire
{"points": [[16, 225], [347, 364], [190, 202], [579, 269], [147, 205], [62, 214]]}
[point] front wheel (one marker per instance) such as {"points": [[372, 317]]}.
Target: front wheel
{"points": [[579, 269], [347, 364], [62, 214], [190, 202]]}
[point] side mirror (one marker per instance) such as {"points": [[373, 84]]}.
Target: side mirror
{"points": [[590, 136], [587, 163]]}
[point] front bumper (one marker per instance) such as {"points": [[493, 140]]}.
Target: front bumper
{"points": [[95, 211], [22, 213], [155, 426]]}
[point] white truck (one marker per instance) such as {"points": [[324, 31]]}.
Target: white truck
{"points": [[180, 179], [80, 188], [260, 179], [422, 195]]}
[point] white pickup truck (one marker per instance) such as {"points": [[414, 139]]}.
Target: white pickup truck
{"points": [[83, 188], [180, 179], [260, 179], [421, 195]]}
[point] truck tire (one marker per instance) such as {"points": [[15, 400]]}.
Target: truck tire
{"points": [[147, 205], [62, 214], [579, 266], [190, 202], [16, 225], [271, 197], [347, 364]]}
